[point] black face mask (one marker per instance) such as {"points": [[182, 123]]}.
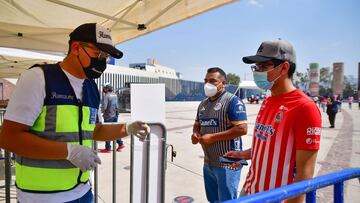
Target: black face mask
{"points": [[96, 67]]}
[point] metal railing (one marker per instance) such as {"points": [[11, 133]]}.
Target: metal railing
{"points": [[7, 164], [147, 165], [307, 186], [8, 174]]}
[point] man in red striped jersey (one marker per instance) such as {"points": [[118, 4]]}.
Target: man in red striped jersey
{"points": [[288, 126]]}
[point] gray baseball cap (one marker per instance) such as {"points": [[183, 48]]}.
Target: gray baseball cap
{"points": [[273, 49]]}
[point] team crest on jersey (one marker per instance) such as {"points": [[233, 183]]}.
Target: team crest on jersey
{"points": [[202, 109], [282, 107], [279, 116], [217, 106]]}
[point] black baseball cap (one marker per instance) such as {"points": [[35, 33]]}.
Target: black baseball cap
{"points": [[98, 35]]}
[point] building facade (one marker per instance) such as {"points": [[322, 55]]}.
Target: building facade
{"points": [[314, 76], [338, 78], [176, 89]]}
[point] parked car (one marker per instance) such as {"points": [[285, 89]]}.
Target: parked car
{"points": [[124, 99]]}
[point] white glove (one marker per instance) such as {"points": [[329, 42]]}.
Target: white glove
{"points": [[138, 128], [82, 157]]}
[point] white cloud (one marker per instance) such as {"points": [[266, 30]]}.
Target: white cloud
{"points": [[255, 3]]}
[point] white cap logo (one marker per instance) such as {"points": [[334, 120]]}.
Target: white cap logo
{"points": [[103, 35]]}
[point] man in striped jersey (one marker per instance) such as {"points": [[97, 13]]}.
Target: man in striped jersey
{"points": [[288, 126], [220, 121]]}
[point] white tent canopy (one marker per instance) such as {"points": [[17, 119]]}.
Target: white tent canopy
{"points": [[46, 24], [14, 61], [249, 84]]}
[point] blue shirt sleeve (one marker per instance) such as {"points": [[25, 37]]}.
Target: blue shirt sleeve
{"points": [[237, 110]]}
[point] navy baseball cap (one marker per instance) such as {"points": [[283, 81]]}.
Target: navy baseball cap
{"points": [[98, 35]]}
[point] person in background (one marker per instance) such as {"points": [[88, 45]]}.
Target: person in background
{"points": [[285, 145], [332, 108], [220, 122], [257, 98], [350, 101], [110, 110], [339, 102], [316, 99], [323, 103], [50, 122]]}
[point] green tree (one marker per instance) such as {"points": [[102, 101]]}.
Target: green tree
{"points": [[349, 86], [233, 79], [325, 82], [325, 77], [301, 80]]}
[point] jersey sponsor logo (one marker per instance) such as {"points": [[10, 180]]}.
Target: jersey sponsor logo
{"points": [[282, 107], [260, 136], [92, 117], [241, 109], [311, 141], [313, 131], [209, 122], [217, 106], [266, 129], [54, 95]]}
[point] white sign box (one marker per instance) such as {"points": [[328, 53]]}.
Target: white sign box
{"points": [[148, 105]]}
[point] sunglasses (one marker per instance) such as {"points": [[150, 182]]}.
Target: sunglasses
{"points": [[265, 66], [101, 55]]}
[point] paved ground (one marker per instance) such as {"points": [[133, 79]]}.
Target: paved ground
{"points": [[340, 148]]}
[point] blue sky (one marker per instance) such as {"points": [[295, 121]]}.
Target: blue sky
{"points": [[322, 31]]}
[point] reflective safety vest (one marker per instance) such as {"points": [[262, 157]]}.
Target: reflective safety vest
{"points": [[64, 118]]}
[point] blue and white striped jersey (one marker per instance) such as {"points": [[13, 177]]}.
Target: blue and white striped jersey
{"points": [[217, 116]]}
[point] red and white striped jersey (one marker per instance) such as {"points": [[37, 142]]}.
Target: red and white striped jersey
{"points": [[284, 124]]}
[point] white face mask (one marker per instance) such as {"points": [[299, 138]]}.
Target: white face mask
{"points": [[210, 90]]}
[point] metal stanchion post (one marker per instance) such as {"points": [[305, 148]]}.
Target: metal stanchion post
{"points": [[131, 166], [7, 176], [145, 159], [95, 178], [147, 166], [7, 165], [114, 171]]}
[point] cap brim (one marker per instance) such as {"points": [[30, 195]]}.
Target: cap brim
{"points": [[110, 50], [255, 59]]}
